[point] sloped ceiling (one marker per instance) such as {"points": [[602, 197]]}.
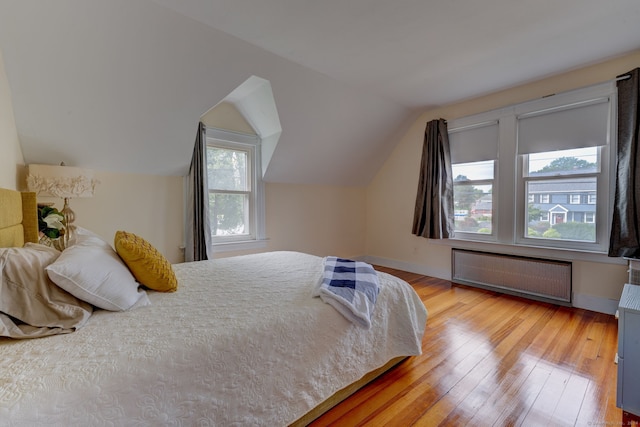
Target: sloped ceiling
{"points": [[119, 85]]}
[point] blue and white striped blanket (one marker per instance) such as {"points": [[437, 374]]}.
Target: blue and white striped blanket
{"points": [[351, 287]]}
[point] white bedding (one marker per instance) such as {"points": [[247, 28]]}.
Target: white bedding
{"points": [[242, 342]]}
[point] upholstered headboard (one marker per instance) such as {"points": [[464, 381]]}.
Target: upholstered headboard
{"points": [[18, 218]]}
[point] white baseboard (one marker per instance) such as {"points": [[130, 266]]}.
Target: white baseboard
{"points": [[593, 303], [587, 302]]}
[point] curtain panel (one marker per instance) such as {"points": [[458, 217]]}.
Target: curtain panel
{"points": [[433, 216], [197, 229], [625, 235]]}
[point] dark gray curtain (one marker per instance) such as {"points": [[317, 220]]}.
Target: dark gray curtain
{"points": [[198, 232], [433, 216], [625, 236]]}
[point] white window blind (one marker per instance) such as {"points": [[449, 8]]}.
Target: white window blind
{"points": [[474, 143], [574, 126]]}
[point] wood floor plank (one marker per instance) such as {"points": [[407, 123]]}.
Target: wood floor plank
{"points": [[568, 407], [490, 359], [492, 394]]}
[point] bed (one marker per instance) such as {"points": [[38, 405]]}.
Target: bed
{"points": [[243, 341]]}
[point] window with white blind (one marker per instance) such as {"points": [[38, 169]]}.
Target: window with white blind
{"points": [[474, 150], [537, 173]]}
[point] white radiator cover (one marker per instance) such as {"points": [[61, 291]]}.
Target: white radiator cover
{"points": [[542, 279]]}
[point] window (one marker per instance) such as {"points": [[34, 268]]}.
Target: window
{"points": [[236, 211], [474, 181], [554, 159], [473, 198]]}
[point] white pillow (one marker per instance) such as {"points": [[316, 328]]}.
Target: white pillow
{"points": [[92, 271]]}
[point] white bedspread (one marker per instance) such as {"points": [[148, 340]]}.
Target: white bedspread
{"points": [[242, 342]]}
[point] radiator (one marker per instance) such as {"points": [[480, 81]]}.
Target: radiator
{"points": [[536, 278]]}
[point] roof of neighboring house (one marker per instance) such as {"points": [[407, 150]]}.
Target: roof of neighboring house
{"points": [[564, 186], [545, 207]]}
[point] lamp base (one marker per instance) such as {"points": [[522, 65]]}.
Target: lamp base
{"points": [[69, 218]]}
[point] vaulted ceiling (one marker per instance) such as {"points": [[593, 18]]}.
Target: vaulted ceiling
{"points": [[120, 85]]}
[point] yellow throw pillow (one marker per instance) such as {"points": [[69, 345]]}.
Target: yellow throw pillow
{"points": [[146, 263]]}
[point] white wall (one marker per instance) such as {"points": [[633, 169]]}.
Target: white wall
{"points": [[11, 160], [150, 206], [391, 195], [321, 220], [316, 219]]}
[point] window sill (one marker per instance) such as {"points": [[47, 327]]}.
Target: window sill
{"points": [[532, 251], [238, 245]]}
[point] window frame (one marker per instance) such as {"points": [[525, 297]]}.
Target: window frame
{"points": [[256, 211], [509, 211], [478, 122]]}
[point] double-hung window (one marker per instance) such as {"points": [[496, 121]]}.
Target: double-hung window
{"points": [[563, 151], [543, 179], [236, 208], [474, 151]]}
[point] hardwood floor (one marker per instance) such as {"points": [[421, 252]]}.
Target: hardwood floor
{"points": [[490, 359]]}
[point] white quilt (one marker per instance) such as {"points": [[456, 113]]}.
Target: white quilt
{"points": [[242, 342]]}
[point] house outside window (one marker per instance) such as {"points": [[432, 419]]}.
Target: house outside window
{"points": [[236, 200], [554, 170]]}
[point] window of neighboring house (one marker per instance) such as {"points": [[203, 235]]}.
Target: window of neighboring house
{"points": [[474, 188], [236, 207], [552, 151]]}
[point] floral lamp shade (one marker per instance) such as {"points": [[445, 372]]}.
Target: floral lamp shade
{"points": [[61, 181]]}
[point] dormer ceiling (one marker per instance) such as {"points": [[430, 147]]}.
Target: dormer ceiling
{"points": [[120, 85]]}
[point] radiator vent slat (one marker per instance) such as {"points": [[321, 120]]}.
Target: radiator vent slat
{"points": [[543, 279]]}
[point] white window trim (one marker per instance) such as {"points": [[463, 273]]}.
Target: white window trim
{"points": [[257, 239], [572, 199], [509, 214]]}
